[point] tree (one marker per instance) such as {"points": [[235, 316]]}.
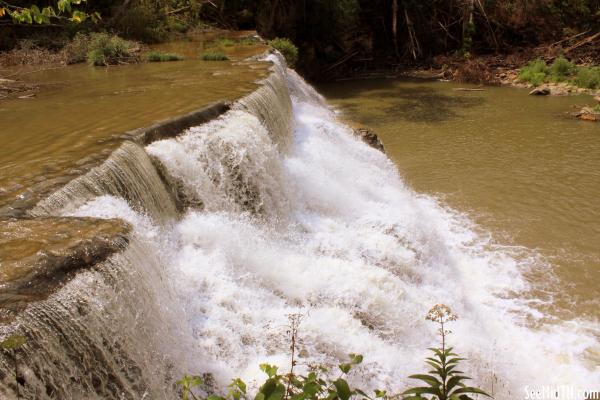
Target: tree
{"points": [[32, 14]]}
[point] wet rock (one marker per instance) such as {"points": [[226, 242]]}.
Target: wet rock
{"points": [[540, 91], [39, 255], [370, 138], [588, 114]]}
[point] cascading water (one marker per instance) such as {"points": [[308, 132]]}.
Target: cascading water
{"points": [[308, 220]]}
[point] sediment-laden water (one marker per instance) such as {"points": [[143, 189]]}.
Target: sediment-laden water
{"points": [[286, 212]]}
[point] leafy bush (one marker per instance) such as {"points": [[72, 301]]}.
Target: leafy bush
{"points": [[156, 56], [214, 56], [287, 48], [588, 77], [77, 49], [105, 49], [534, 72], [320, 383], [561, 69]]}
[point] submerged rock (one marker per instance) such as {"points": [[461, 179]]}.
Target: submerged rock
{"points": [[370, 138], [39, 255], [588, 114]]}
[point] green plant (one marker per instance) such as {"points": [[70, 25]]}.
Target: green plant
{"points": [[105, 49], [535, 72], [444, 381], [210, 55], [156, 56], [226, 42], [588, 77], [62, 10], [561, 69], [287, 48], [77, 49]]}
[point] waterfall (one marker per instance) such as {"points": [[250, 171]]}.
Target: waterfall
{"points": [[285, 211], [128, 173]]}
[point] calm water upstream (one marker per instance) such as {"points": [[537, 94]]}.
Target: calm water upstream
{"points": [[516, 164]]}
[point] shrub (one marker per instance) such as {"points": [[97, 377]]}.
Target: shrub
{"points": [[77, 49], [535, 72], [561, 69], [214, 56], [226, 42], [156, 56], [588, 77], [287, 48], [105, 49], [320, 383]]}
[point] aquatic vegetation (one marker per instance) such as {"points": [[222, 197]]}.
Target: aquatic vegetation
{"points": [[287, 48], [214, 56], [156, 56]]}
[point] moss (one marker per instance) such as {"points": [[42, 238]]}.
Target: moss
{"points": [[287, 48], [214, 56], [156, 56]]}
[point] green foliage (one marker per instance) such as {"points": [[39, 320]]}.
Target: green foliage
{"points": [[226, 42], [62, 10], [444, 381], [588, 77], [318, 384], [156, 56], [77, 49], [105, 49], [211, 55], [534, 72], [561, 69], [287, 48]]}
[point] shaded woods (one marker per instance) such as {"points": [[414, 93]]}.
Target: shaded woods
{"points": [[336, 37]]}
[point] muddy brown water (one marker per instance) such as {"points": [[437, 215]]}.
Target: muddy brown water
{"points": [[79, 113], [515, 164]]}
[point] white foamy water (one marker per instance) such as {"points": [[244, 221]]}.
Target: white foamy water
{"points": [[328, 228]]}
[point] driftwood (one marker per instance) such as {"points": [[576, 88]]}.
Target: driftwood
{"points": [[584, 41], [468, 90]]}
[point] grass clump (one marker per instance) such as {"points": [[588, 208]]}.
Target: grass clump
{"points": [[287, 48], [156, 56], [105, 49], [534, 72], [561, 70], [214, 56], [226, 42], [588, 77], [77, 49]]}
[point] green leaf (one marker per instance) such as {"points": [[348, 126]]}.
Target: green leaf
{"points": [[270, 370], [345, 368], [311, 389], [424, 390], [272, 389], [380, 393], [429, 379], [456, 381], [356, 358], [343, 390], [467, 389], [13, 342]]}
